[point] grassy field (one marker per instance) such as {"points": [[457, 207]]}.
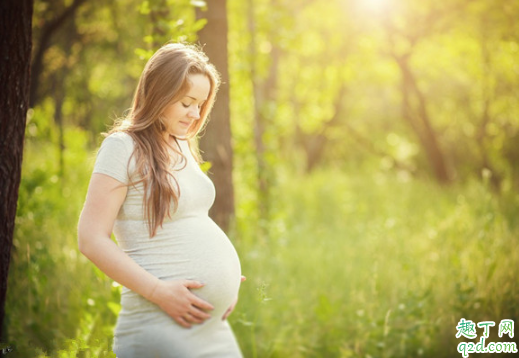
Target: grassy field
{"points": [[355, 263], [370, 266]]}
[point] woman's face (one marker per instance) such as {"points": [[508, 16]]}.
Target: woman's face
{"points": [[180, 116]]}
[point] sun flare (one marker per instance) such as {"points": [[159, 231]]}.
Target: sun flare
{"points": [[375, 5]]}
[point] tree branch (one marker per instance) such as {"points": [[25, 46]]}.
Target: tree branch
{"points": [[47, 32]]}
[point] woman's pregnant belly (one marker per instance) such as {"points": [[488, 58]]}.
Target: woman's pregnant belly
{"points": [[192, 248]]}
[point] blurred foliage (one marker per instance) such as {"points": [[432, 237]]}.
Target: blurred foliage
{"points": [[364, 254]]}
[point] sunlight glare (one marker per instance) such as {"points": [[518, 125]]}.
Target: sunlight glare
{"points": [[375, 5]]}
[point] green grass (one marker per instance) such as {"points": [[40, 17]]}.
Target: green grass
{"points": [[356, 263], [371, 266]]}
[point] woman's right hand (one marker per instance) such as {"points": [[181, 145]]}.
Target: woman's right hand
{"points": [[175, 298]]}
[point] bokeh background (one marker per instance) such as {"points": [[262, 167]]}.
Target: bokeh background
{"points": [[376, 170]]}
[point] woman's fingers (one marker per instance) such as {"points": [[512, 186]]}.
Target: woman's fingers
{"points": [[200, 303], [192, 318], [182, 321], [193, 284], [177, 300], [195, 300], [199, 314], [187, 319], [226, 314], [182, 304], [229, 310]]}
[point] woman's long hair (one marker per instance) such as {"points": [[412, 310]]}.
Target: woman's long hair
{"points": [[164, 80]]}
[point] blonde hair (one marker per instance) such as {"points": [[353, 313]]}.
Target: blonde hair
{"points": [[163, 81]]}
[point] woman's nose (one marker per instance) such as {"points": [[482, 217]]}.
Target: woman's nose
{"points": [[195, 113]]}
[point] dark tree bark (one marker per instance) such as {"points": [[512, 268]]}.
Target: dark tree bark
{"points": [[216, 142], [59, 99], [15, 60]]}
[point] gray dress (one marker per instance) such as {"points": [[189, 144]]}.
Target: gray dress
{"points": [[188, 246]]}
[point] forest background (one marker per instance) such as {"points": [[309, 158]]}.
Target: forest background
{"points": [[375, 150]]}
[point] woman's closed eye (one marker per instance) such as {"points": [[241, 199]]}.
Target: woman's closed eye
{"points": [[189, 105]]}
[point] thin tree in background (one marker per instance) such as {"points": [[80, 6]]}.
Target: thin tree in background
{"points": [[216, 142], [264, 88], [415, 104], [15, 47]]}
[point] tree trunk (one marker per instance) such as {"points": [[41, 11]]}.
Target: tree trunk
{"points": [[59, 99], [314, 144], [15, 47], [264, 93], [422, 127], [486, 117], [259, 123], [216, 142]]}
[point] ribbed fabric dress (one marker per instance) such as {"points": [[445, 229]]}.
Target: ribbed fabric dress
{"points": [[188, 246]]}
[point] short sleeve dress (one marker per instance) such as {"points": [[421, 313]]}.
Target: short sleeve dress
{"points": [[188, 246]]}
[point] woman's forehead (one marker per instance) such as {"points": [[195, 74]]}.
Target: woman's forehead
{"points": [[199, 87]]}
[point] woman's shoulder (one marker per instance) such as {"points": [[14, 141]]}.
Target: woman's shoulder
{"points": [[121, 140], [113, 157], [121, 136]]}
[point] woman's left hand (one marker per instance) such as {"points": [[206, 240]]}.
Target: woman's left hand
{"points": [[230, 309]]}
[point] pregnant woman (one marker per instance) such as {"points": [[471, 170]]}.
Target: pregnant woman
{"points": [[179, 271]]}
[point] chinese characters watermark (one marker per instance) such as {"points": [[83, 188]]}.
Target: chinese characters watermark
{"points": [[467, 329]]}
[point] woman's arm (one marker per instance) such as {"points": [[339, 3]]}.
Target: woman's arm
{"points": [[104, 199]]}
